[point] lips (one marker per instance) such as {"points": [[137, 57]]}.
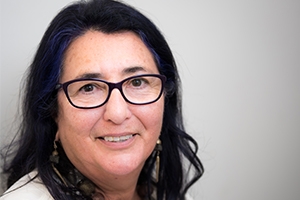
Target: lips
{"points": [[116, 138]]}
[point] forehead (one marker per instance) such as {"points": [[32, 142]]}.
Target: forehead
{"points": [[106, 54]]}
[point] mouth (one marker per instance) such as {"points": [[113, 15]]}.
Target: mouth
{"points": [[117, 139]]}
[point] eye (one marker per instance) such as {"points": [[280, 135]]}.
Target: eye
{"points": [[136, 82], [87, 88], [80, 88]]}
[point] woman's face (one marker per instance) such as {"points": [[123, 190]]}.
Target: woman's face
{"points": [[110, 57]]}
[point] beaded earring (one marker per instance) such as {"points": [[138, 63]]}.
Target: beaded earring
{"points": [[158, 149]]}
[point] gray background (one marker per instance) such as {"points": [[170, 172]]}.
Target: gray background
{"points": [[240, 66]]}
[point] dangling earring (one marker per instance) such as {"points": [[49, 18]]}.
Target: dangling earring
{"points": [[158, 149], [54, 159]]}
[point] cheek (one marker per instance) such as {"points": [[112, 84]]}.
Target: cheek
{"points": [[152, 116], [73, 122]]}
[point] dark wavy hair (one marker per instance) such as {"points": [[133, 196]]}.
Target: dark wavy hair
{"points": [[180, 166]]}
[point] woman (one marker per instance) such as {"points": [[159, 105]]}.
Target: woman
{"points": [[102, 113]]}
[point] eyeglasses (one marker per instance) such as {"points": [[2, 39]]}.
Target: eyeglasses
{"points": [[88, 93]]}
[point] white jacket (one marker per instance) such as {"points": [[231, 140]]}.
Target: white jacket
{"points": [[33, 190]]}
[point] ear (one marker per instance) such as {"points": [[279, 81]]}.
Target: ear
{"points": [[57, 136]]}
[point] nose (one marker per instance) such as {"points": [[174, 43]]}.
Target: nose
{"points": [[116, 108]]}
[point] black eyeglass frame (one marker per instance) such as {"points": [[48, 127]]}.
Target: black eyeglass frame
{"points": [[111, 86]]}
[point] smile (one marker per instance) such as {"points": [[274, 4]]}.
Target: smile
{"points": [[117, 139]]}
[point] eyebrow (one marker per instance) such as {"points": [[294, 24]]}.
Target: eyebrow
{"points": [[89, 75], [132, 70], [126, 71]]}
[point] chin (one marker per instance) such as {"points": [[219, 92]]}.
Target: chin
{"points": [[123, 167]]}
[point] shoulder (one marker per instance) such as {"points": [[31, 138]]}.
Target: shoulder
{"points": [[188, 197], [28, 190]]}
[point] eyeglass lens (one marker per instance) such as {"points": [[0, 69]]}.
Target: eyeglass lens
{"points": [[136, 90]]}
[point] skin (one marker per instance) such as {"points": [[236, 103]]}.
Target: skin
{"points": [[113, 167]]}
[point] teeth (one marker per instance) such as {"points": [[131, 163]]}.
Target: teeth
{"points": [[117, 139]]}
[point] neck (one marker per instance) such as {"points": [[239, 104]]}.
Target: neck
{"points": [[113, 195], [117, 188], [114, 187]]}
